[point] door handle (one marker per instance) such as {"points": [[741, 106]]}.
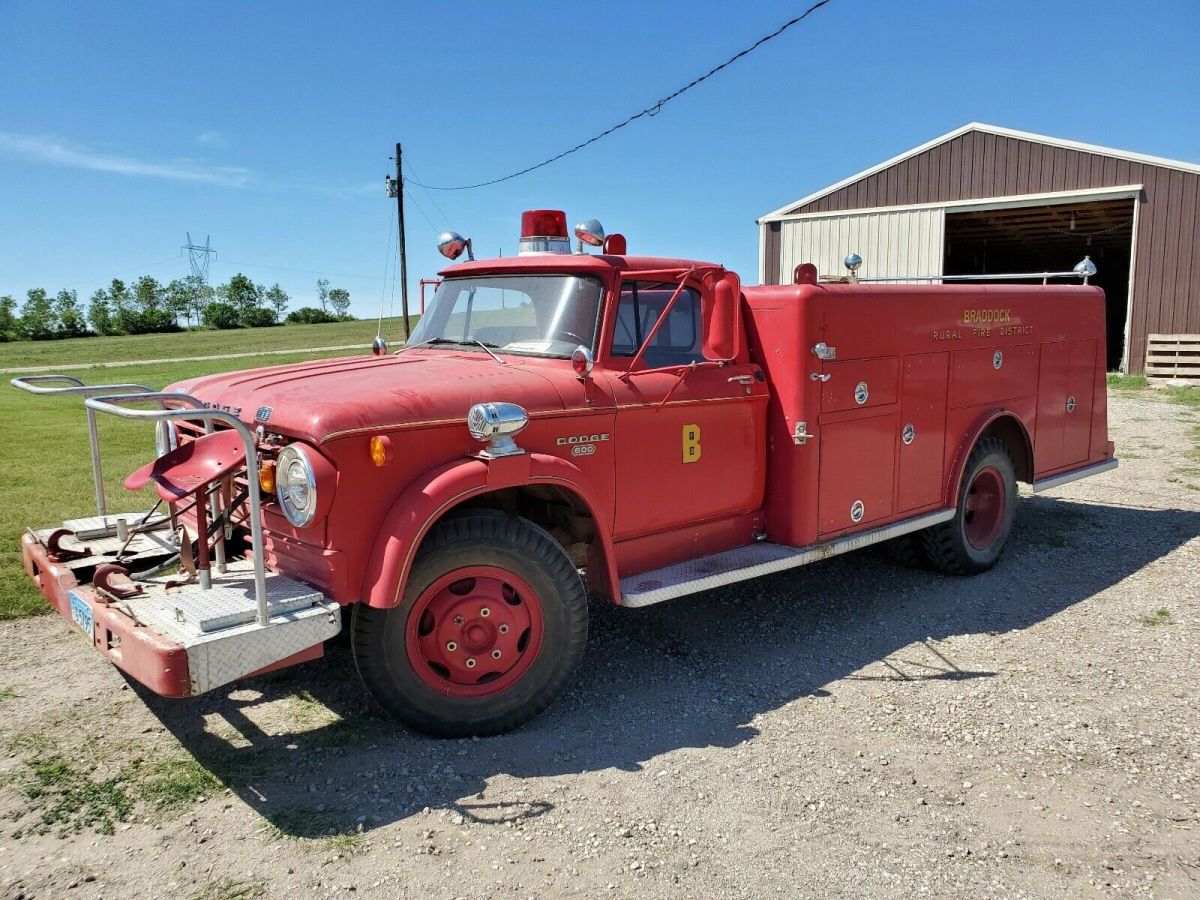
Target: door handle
{"points": [[741, 379], [816, 376]]}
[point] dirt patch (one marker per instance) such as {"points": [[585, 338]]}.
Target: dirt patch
{"points": [[849, 729]]}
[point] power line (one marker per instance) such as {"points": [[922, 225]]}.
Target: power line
{"points": [[424, 215], [651, 110], [249, 265], [436, 205]]}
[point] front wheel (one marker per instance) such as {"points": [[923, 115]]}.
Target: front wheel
{"points": [[492, 624], [972, 541]]}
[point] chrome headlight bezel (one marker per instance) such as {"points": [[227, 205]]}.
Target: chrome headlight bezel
{"points": [[296, 485]]}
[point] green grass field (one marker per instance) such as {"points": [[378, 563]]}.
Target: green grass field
{"points": [[45, 459], [73, 351]]}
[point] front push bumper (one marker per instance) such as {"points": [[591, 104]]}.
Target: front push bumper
{"points": [[182, 642]]}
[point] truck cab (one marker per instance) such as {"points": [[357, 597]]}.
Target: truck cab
{"points": [[563, 425]]}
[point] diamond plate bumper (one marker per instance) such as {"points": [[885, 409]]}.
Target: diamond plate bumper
{"points": [[183, 643]]}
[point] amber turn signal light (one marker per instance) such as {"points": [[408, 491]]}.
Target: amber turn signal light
{"points": [[381, 450], [266, 477]]}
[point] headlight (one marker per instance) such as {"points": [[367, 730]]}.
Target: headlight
{"points": [[296, 485], [165, 438]]}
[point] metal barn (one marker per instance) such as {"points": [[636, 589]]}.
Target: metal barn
{"points": [[983, 199]]}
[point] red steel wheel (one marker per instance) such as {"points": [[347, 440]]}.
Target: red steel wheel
{"points": [[487, 629], [475, 631], [973, 540], [984, 508]]}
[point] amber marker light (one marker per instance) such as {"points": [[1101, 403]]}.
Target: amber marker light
{"points": [[266, 477], [381, 450]]}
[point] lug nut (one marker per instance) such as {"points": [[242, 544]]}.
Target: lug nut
{"points": [[458, 620], [496, 654], [470, 663], [503, 629], [451, 646], [485, 612]]}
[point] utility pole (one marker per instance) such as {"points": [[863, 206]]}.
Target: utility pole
{"points": [[403, 254]]}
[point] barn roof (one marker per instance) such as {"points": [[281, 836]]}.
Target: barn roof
{"points": [[985, 129]]}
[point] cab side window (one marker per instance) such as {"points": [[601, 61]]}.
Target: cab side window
{"points": [[641, 305]]}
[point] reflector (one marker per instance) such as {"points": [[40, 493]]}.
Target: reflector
{"points": [[381, 450]]}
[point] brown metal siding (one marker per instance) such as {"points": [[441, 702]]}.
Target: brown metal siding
{"points": [[979, 164], [773, 251]]}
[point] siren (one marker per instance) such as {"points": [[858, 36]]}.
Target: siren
{"points": [[544, 231]]}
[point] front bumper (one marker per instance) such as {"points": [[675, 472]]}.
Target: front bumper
{"points": [[179, 643]]}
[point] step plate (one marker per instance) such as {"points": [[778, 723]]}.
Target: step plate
{"points": [[707, 572], [300, 618], [93, 527], [231, 602]]}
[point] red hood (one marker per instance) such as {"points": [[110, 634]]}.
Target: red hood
{"points": [[320, 399]]}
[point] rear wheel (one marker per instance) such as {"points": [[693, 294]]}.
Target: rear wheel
{"points": [[492, 624], [973, 540]]}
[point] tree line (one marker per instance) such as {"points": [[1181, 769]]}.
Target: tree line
{"points": [[148, 307]]}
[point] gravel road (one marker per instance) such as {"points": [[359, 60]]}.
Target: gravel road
{"points": [[849, 729]]}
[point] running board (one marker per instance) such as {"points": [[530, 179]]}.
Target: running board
{"points": [[1074, 475], [754, 560]]}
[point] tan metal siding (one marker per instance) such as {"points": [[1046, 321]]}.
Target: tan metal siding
{"points": [[908, 242], [977, 165]]}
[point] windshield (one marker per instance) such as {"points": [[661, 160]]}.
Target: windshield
{"points": [[543, 315]]}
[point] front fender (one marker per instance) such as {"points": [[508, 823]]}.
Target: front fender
{"points": [[434, 494]]}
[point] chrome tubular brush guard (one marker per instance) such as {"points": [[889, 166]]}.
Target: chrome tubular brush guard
{"points": [[109, 398]]}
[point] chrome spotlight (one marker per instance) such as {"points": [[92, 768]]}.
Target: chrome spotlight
{"points": [[451, 244], [589, 232], [852, 262], [1085, 269], [379, 346]]}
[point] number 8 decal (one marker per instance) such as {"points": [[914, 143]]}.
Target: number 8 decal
{"points": [[691, 443]]}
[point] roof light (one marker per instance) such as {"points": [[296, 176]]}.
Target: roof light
{"points": [[590, 232], [544, 231], [451, 244]]}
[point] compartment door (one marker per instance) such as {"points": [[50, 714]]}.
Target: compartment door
{"points": [[922, 447], [858, 460], [1053, 373], [1081, 382]]}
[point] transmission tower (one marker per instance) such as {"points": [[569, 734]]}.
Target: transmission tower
{"points": [[198, 256]]}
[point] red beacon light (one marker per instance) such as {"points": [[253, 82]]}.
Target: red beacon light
{"points": [[544, 231]]}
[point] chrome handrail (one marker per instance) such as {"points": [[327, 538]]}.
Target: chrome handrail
{"points": [[74, 387], [111, 404], [1045, 276]]}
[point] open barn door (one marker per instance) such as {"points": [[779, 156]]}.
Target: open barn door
{"points": [[1051, 238]]}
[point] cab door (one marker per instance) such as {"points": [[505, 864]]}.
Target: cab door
{"points": [[690, 434]]}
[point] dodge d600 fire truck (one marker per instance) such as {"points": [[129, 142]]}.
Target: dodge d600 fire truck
{"points": [[563, 424]]}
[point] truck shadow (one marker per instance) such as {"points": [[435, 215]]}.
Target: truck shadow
{"points": [[311, 753]]}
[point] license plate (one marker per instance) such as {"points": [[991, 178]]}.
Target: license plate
{"points": [[81, 615]]}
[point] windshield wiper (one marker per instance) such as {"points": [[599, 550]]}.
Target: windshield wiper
{"points": [[488, 347], [433, 342], [428, 342]]}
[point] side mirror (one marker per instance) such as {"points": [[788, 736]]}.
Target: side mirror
{"points": [[722, 318]]}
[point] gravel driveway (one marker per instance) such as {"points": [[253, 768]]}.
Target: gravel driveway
{"points": [[848, 729]]}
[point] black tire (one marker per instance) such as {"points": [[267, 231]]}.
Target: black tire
{"points": [[962, 546], [907, 550], [481, 538]]}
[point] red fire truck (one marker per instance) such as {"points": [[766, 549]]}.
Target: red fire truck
{"points": [[564, 424]]}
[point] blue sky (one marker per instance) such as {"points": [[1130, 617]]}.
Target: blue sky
{"points": [[269, 126]]}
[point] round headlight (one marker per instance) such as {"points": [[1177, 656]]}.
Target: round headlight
{"points": [[296, 485], [165, 438]]}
